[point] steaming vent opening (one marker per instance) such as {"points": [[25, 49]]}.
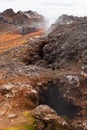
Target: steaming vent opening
{"points": [[53, 98]]}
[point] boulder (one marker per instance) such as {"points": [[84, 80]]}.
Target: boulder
{"points": [[47, 119]]}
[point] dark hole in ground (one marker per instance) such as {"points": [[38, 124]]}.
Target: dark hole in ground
{"points": [[41, 53], [52, 97]]}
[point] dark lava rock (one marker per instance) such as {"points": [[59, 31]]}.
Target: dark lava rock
{"points": [[22, 22], [8, 12], [63, 20], [66, 43]]}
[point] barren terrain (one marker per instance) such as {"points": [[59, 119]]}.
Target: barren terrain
{"points": [[43, 77]]}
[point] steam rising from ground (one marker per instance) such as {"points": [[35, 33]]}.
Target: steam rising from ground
{"points": [[51, 9]]}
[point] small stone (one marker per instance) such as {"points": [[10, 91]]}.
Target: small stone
{"points": [[84, 124], [79, 122], [33, 91], [64, 124], [14, 91], [2, 113], [85, 128], [9, 95], [12, 115], [39, 83], [8, 86]]}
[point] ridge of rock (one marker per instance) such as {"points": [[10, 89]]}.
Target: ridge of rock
{"points": [[47, 77], [22, 22], [65, 43]]}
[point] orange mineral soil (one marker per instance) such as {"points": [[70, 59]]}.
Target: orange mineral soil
{"points": [[11, 40]]}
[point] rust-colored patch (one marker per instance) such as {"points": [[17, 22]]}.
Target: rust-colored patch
{"points": [[10, 40]]}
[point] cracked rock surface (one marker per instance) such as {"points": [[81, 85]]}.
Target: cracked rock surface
{"points": [[45, 79]]}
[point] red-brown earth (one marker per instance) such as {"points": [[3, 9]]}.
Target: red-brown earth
{"points": [[38, 70]]}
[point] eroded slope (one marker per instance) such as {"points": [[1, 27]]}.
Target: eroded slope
{"points": [[47, 71]]}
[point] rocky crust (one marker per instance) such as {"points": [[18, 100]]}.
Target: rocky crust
{"points": [[66, 44], [46, 80], [22, 22]]}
